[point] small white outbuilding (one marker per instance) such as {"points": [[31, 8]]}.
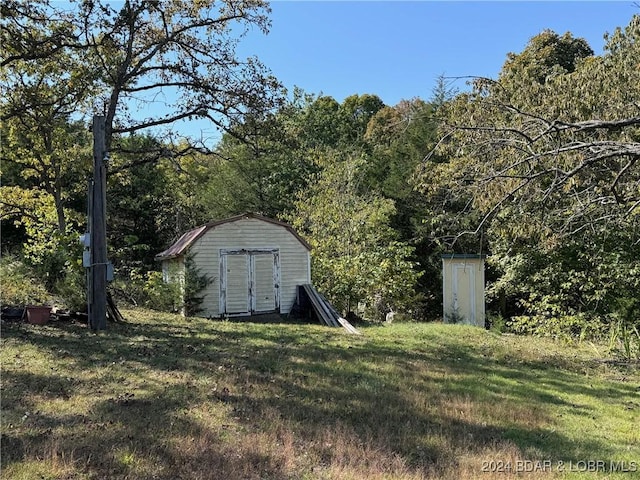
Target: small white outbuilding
{"points": [[255, 264], [463, 289]]}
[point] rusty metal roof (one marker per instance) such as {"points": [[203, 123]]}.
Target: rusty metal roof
{"points": [[183, 243]]}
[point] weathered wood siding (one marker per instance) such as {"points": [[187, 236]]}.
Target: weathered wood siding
{"points": [[251, 233]]}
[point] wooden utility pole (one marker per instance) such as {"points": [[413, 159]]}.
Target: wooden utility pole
{"points": [[98, 230]]}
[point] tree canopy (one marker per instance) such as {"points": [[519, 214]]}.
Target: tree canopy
{"points": [[538, 168], [546, 157]]}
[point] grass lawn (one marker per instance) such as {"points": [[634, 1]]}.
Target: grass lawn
{"points": [[164, 398]]}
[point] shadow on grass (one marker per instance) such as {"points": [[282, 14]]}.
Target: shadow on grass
{"points": [[318, 385]]}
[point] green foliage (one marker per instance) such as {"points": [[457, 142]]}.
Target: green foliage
{"points": [[20, 285], [539, 168], [546, 54], [355, 257], [180, 292], [142, 206], [71, 289], [194, 284], [150, 290], [496, 322], [261, 175], [454, 317], [53, 76], [624, 339], [542, 163], [568, 327]]}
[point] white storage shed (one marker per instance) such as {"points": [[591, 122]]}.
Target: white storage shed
{"points": [[463, 289], [255, 262]]}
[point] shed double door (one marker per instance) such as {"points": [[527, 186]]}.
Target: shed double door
{"points": [[250, 281]]}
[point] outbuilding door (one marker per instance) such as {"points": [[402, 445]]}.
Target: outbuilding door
{"points": [[249, 281], [464, 292], [463, 289]]}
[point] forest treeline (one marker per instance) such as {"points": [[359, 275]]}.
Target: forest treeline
{"points": [[537, 168]]}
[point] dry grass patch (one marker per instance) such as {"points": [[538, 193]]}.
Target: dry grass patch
{"points": [[164, 398]]}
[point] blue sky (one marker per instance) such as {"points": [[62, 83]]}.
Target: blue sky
{"points": [[397, 49]]}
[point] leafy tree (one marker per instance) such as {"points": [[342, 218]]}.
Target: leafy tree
{"points": [[316, 124], [146, 48], [66, 61], [195, 282], [45, 152], [141, 206], [356, 255], [122, 60], [44, 89], [354, 114], [541, 147], [547, 54], [546, 158], [268, 169], [263, 171]]}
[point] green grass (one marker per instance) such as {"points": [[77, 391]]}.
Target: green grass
{"points": [[164, 398]]}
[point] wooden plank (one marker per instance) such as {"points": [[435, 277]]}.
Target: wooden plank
{"points": [[348, 327], [341, 320], [326, 312], [319, 308], [317, 305], [326, 306]]}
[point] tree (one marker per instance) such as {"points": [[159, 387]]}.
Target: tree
{"points": [[557, 146], [547, 158], [44, 151], [354, 114], [145, 49], [45, 87], [144, 65], [141, 208], [356, 255], [274, 160], [546, 54]]}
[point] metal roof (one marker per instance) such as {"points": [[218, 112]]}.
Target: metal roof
{"points": [[183, 243]]}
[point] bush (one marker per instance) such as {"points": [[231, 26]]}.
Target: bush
{"points": [[580, 326], [20, 286], [158, 295], [72, 289], [147, 290], [194, 284], [496, 322], [624, 339], [150, 291]]}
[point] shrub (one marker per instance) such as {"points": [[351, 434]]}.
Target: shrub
{"points": [[150, 291], [20, 285], [71, 289], [158, 295], [496, 322], [580, 326], [194, 284]]}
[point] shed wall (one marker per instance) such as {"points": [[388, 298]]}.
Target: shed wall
{"points": [[251, 233]]}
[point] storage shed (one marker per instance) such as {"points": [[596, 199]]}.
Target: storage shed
{"points": [[463, 289], [255, 262]]}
